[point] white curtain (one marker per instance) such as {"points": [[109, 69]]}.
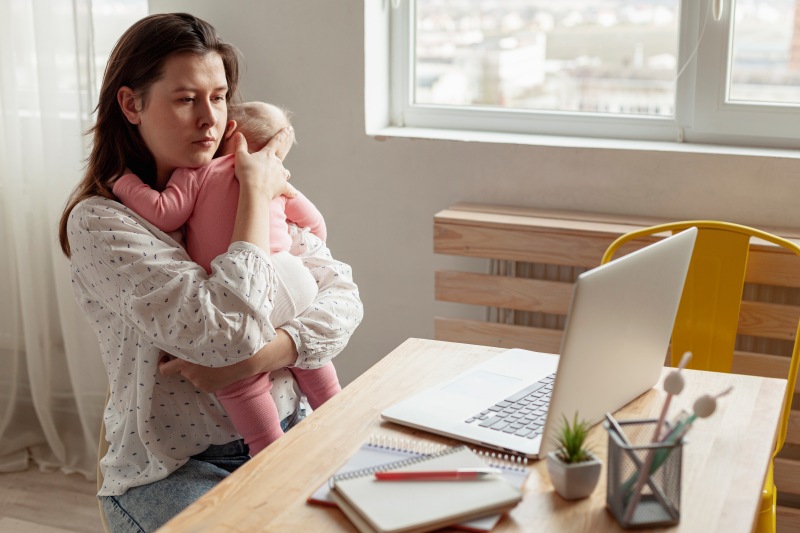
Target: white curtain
{"points": [[52, 382]]}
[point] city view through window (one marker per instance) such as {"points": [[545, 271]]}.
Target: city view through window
{"points": [[591, 56]]}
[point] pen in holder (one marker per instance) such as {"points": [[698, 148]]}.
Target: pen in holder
{"points": [[629, 444]]}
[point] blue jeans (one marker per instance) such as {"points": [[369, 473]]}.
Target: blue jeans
{"points": [[148, 507]]}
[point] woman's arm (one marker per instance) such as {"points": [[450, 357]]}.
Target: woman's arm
{"points": [[140, 274], [278, 353], [309, 341]]}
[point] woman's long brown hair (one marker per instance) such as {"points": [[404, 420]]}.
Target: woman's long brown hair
{"points": [[137, 62]]}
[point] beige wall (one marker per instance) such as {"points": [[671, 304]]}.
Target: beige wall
{"points": [[379, 197]]}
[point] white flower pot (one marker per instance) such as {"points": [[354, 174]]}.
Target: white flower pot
{"points": [[573, 481]]}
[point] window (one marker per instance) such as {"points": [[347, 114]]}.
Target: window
{"points": [[710, 71]]}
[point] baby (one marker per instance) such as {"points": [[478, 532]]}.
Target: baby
{"points": [[205, 200]]}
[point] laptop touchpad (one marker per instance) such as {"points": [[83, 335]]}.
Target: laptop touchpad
{"points": [[487, 384]]}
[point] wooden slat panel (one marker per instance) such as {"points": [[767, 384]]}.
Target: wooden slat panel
{"points": [[525, 219], [503, 291], [489, 213], [775, 266], [788, 520], [500, 335], [774, 321], [793, 431], [787, 475], [534, 245], [768, 264], [757, 364]]}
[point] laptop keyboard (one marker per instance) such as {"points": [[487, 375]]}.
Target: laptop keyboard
{"points": [[522, 414]]}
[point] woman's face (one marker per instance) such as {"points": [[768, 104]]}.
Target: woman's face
{"points": [[185, 114]]}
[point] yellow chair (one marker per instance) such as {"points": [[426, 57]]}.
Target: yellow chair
{"points": [[708, 315]]}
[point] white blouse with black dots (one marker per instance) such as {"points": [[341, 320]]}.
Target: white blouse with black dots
{"points": [[143, 295]]}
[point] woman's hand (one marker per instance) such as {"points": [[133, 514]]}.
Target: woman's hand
{"points": [[261, 178], [204, 378], [262, 173], [279, 353], [284, 142]]}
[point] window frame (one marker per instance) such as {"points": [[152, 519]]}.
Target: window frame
{"points": [[702, 113]]}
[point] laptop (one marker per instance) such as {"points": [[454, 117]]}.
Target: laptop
{"points": [[613, 349]]}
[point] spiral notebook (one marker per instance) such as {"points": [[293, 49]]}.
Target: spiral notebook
{"points": [[381, 450], [419, 506]]}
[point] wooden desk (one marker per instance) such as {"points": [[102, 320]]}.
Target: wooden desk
{"points": [[724, 463]]}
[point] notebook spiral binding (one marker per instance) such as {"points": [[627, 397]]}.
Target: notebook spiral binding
{"points": [[397, 464], [405, 445], [504, 460], [498, 460]]}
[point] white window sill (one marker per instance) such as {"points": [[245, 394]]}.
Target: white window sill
{"points": [[578, 142]]}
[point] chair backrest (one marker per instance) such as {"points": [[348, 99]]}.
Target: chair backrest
{"points": [[712, 312]]}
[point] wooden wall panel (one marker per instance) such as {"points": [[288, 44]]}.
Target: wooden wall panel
{"points": [[500, 335], [503, 291]]}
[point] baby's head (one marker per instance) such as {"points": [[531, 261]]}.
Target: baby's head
{"points": [[258, 122]]}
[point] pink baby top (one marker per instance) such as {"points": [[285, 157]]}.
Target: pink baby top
{"points": [[205, 199]]}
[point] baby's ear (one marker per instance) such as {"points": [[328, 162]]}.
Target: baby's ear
{"points": [[227, 147], [229, 129]]}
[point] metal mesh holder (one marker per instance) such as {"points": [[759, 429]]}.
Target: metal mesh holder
{"points": [[661, 493]]}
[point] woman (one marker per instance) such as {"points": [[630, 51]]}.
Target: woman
{"points": [[163, 105]]}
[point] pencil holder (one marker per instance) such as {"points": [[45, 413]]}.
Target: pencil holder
{"points": [[629, 444]]}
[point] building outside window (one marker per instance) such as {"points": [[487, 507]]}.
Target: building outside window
{"points": [[702, 70]]}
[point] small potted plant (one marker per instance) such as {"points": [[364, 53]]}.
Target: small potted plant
{"points": [[574, 470]]}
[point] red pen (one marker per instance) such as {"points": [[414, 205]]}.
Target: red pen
{"points": [[459, 474]]}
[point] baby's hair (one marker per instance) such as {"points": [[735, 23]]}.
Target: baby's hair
{"points": [[259, 121]]}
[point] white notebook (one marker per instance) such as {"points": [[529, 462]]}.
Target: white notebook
{"points": [[420, 506], [381, 450]]}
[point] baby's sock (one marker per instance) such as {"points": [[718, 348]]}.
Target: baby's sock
{"points": [[252, 411], [319, 385]]}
